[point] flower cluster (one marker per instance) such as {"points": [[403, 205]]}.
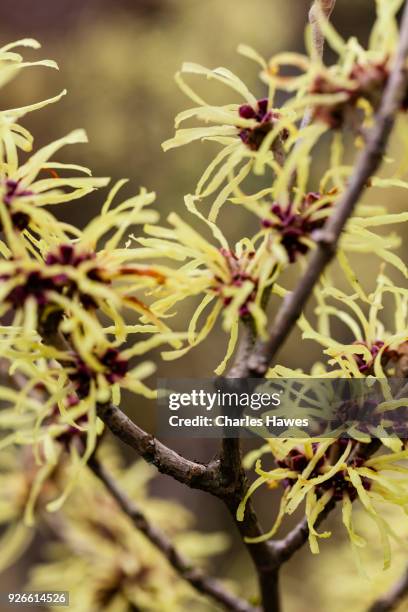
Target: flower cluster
{"points": [[292, 210], [69, 297], [79, 307], [235, 280], [92, 538], [322, 472], [258, 138], [347, 93]]}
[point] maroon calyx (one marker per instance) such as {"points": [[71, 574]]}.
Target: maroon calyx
{"points": [[19, 219], [339, 484], [39, 284], [67, 255], [35, 285], [293, 226], [238, 277], [266, 119], [82, 375], [296, 461], [370, 80], [116, 366], [374, 348]]}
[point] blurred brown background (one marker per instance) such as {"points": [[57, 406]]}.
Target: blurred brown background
{"points": [[117, 59]]}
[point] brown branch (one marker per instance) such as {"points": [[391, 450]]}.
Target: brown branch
{"points": [[235, 485], [231, 456], [263, 554], [167, 461], [195, 576], [209, 478], [393, 598], [230, 487], [328, 237], [290, 544], [326, 7], [246, 345]]}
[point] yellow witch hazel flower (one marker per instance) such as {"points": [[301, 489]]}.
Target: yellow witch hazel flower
{"points": [[321, 473], [235, 281], [373, 350], [12, 135], [69, 275], [108, 564], [348, 91], [23, 194], [241, 128], [55, 410], [292, 215]]}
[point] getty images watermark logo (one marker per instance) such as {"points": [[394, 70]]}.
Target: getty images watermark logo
{"points": [[223, 399], [229, 411], [218, 408], [214, 408]]}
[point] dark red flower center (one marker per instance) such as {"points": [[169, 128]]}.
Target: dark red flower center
{"points": [[82, 375], [369, 82], [67, 255], [266, 119], [238, 276], [367, 367], [296, 461], [13, 191], [35, 285], [292, 225]]}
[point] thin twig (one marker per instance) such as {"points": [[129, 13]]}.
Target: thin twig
{"points": [[208, 478], [230, 457], [263, 554], [245, 348], [195, 576], [234, 480], [326, 7], [290, 544], [167, 461], [328, 237], [393, 598]]}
